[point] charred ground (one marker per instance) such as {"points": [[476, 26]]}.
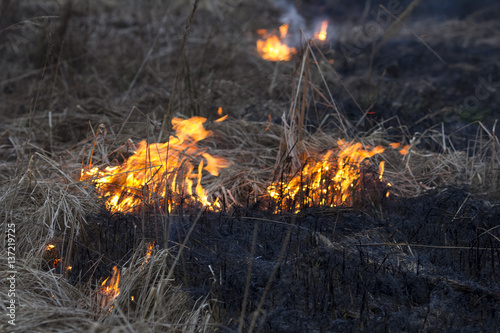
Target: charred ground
{"points": [[429, 263]]}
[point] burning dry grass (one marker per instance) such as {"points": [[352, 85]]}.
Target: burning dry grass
{"points": [[41, 195], [150, 300], [158, 172], [47, 302]]}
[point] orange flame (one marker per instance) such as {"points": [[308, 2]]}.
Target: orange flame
{"points": [[381, 168], [321, 35], [404, 150], [56, 262], [221, 118], [272, 48], [110, 289], [395, 145], [331, 181], [149, 252], [160, 172], [220, 113]]}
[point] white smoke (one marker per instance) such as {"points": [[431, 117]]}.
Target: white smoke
{"points": [[290, 15], [297, 23]]}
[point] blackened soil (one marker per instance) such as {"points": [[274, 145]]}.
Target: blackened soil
{"points": [[430, 263], [438, 72]]}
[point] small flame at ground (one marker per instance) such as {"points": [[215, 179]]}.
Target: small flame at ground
{"points": [[329, 180], [110, 290], [404, 150], [160, 173], [272, 48], [56, 262], [221, 118], [321, 35], [149, 252]]}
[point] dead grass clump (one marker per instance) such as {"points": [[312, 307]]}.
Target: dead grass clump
{"points": [[485, 173], [251, 147], [43, 202], [47, 302], [477, 168], [150, 300]]}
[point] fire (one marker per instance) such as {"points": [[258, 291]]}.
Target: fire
{"points": [[221, 118], [56, 262], [220, 113], [272, 48], [321, 35], [149, 252], [160, 172], [330, 179], [404, 150], [395, 145], [109, 289]]}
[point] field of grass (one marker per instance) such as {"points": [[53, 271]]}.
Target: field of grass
{"points": [[83, 82]]}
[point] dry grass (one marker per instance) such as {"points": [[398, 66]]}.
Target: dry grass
{"points": [[47, 302], [44, 201], [136, 72], [251, 147]]}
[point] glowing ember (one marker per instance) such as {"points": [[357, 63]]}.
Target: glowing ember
{"points": [[321, 35], [50, 247], [221, 119], [330, 180], [220, 112], [56, 262], [395, 145], [272, 48], [381, 168], [404, 150], [160, 173], [109, 289], [149, 252]]}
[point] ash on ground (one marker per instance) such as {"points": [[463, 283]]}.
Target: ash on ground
{"points": [[429, 263]]}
